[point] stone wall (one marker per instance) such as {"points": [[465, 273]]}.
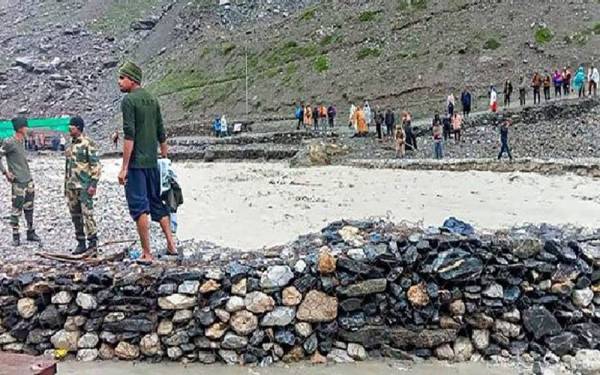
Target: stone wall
{"points": [[353, 291]]}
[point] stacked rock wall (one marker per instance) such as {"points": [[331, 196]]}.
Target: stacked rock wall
{"points": [[355, 290]]}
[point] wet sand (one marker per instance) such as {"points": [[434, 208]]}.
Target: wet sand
{"points": [[253, 205], [363, 368]]}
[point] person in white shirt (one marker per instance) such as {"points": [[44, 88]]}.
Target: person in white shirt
{"points": [[593, 79]]}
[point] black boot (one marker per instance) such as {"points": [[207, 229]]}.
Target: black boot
{"points": [[92, 244], [16, 239], [31, 236], [80, 249]]}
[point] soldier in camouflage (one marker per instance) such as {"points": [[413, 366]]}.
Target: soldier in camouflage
{"points": [[82, 172], [19, 176]]}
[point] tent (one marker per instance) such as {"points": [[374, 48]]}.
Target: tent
{"points": [[59, 124]]}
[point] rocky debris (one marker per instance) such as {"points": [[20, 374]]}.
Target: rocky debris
{"points": [[413, 293]]}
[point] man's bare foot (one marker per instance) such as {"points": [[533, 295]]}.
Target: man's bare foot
{"points": [[147, 258]]}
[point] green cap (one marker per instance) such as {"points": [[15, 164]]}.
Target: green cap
{"points": [[131, 71], [19, 122]]}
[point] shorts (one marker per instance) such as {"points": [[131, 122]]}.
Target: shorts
{"points": [[142, 192]]}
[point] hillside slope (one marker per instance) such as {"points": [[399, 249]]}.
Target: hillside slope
{"points": [[408, 54]]}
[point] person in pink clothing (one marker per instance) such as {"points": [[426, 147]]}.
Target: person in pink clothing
{"points": [[457, 120]]}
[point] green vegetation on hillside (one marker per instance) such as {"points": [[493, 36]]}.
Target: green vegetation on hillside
{"points": [[369, 15], [368, 52], [321, 64], [120, 14], [543, 35], [492, 44], [308, 14]]}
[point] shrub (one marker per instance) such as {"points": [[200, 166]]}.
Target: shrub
{"points": [[308, 15], [543, 35], [491, 44], [368, 52], [321, 64], [368, 16]]}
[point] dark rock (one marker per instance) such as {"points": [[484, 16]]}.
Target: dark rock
{"points": [[404, 338], [369, 336], [351, 304], [589, 334], [457, 264], [540, 322], [50, 318], [310, 344], [352, 321], [129, 325], [562, 344]]}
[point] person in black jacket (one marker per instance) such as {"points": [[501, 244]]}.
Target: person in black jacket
{"points": [[390, 121], [508, 89], [379, 119]]}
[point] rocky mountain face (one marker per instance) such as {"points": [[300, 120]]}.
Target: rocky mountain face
{"points": [[60, 57]]}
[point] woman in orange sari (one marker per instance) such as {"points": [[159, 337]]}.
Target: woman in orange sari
{"points": [[361, 122]]}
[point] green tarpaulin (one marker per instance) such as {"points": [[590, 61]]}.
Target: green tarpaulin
{"points": [[59, 124]]}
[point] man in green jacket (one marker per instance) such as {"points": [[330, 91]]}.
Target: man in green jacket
{"points": [[19, 176], [143, 132]]}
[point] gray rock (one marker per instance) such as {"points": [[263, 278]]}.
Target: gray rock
{"points": [[87, 355], [88, 341], [182, 316], [258, 302], [189, 287], [86, 301], [357, 352], [463, 349], [279, 317], [364, 288], [66, 340], [229, 356], [303, 329], [300, 266], [150, 345], [234, 304], [339, 356], [62, 298], [207, 357], [7, 338], [174, 352], [444, 352], [233, 341], [509, 330], [357, 254], [165, 327], [176, 302], [481, 339], [494, 290], [587, 362], [582, 297], [276, 277], [26, 307]]}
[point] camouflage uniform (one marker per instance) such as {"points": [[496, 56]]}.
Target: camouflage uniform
{"points": [[22, 187], [82, 171]]}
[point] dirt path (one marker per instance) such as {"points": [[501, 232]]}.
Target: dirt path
{"points": [[374, 367]]}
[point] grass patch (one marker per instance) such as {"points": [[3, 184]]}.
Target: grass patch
{"points": [[369, 15], [330, 39], [412, 4], [181, 80], [321, 64], [308, 14], [596, 28], [543, 35], [120, 14], [227, 48], [491, 44], [289, 52], [368, 52], [217, 93]]}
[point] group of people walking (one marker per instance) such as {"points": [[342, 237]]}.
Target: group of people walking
{"points": [[564, 82], [315, 117]]}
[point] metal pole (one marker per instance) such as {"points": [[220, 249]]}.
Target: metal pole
{"points": [[246, 82]]}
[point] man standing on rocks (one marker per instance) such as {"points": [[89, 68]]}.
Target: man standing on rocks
{"points": [[19, 176], [593, 79], [536, 83], [504, 139], [82, 172], [143, 131], [390, 121]]}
